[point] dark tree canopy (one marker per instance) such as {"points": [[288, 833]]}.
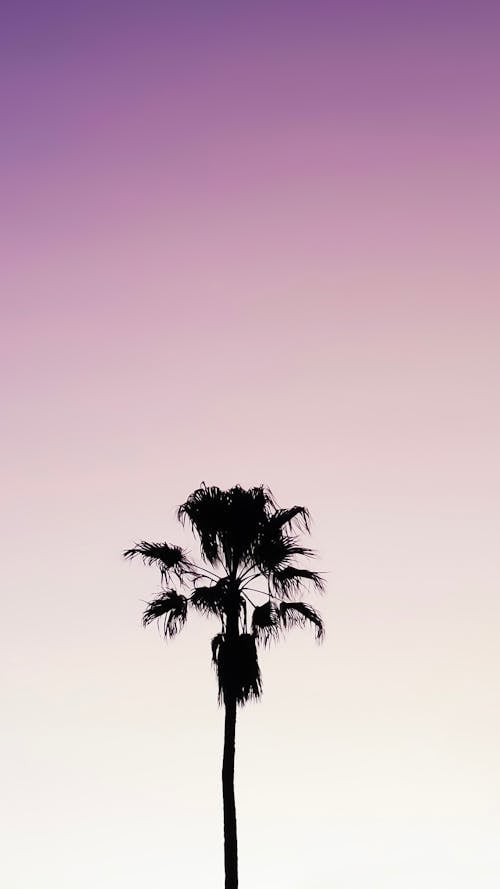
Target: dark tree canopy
{"points": [[251, 572]]}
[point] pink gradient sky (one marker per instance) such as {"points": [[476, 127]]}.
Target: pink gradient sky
{"points": [[251, 246]]}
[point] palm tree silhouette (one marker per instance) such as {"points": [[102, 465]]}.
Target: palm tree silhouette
{"points": [[249, 543]]}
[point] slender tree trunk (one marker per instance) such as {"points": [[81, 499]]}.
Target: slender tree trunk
{"points": [[230, 836], [229, 805]]}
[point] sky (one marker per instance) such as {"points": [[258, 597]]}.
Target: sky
{"points": [[251, 243]]}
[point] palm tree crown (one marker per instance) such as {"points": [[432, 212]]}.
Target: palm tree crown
{"points": [[249, 547]]}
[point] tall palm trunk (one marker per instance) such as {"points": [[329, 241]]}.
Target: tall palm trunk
{"points": [[229, 804], [230, 836]]}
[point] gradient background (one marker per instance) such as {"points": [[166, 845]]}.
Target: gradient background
{"points": [[251, 243]]}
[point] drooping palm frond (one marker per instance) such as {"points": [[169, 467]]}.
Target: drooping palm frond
{"points": [[289, 581], [210, 599], [299, 614], [266, 623], [237, 666], [295, 517], [170, 606], [166, 556]]}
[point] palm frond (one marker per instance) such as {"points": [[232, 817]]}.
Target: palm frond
{"points": [[294, 517], [209, 599], [170, 606], [277, 550], [289, 581], [204, 510], [166, 556], [266, 623], [247, 511], [227, 522], [237, 666], [299, 614]]}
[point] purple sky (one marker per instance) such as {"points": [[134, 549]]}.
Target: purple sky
{"points": [[252, 245]]}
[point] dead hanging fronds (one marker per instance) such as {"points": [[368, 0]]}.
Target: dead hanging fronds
{"points": [[237, 668], [216, 644]]}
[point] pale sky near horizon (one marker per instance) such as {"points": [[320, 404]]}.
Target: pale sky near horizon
{"points": [[254, 245]]}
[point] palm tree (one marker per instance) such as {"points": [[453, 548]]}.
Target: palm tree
{"points": [[248, 547]]}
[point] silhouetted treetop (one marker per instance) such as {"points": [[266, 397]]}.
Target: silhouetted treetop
{"points": [[249, 575], [253, 549]]}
